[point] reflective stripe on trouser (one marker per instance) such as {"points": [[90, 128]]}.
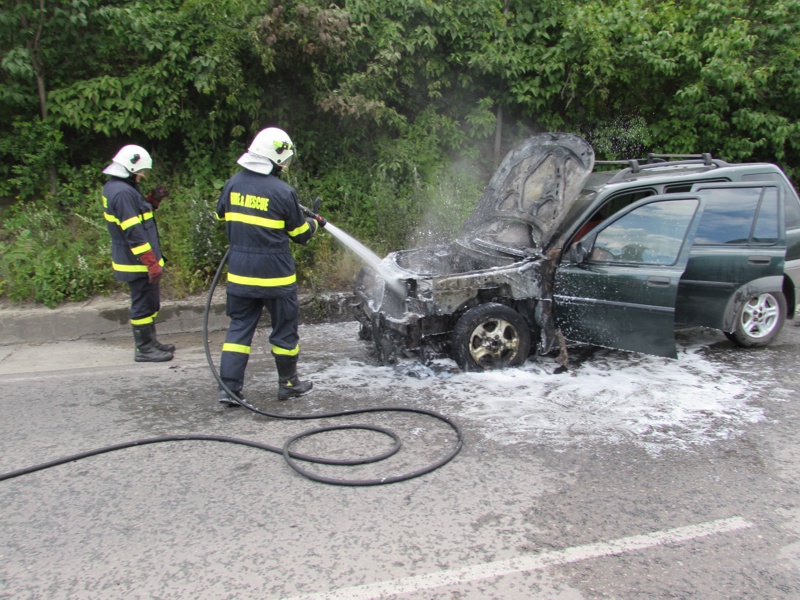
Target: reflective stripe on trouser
{"points": [[145, 301], [245, 314]]}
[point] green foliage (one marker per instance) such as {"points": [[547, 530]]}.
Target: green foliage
{"points": [[619, 139], [51, 257], [385, 101], [32, 149], [193, 240]]}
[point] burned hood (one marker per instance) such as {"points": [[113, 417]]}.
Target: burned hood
{"points": [[531, 191]]}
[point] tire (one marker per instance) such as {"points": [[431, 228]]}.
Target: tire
{"points": [[759, 320], [491, 336]]}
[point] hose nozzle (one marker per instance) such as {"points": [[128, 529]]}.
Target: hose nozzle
{"points": [[313, 213]]}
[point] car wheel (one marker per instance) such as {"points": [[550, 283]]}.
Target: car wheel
{"points": [[759, 320], [491, 336]]}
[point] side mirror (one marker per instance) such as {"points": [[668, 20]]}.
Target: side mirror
{"points": [[578, 252]]}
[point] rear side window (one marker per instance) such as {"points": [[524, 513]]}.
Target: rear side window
{"points": [[766, 229], [739, 216]]}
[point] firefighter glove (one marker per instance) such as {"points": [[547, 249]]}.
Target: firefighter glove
{"points": [[312, 224], [154, 270], [156, 195]]}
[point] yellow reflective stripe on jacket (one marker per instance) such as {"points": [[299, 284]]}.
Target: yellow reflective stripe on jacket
{"points": [[111, 218], [284, 352], [141, 249], [260, 282], [226, 347], [302, 229], [253, 220], [132, 268], [128, 223]]}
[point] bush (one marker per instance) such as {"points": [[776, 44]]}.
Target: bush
{"points": [[50, 257]]}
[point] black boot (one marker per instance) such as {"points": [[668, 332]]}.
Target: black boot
{"points": [[227, 400], [159, 345], [146, 350], [289, 384]]}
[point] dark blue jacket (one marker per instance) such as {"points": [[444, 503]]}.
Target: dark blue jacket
{"points": [[132, 228], [261, 215]]}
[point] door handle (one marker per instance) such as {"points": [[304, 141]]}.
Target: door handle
{"points": [[759, 260], [659, 281]]}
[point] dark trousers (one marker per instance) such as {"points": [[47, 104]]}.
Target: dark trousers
{"points": [[145, 301], [245, 314]]}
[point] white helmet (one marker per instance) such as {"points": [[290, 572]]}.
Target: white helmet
{"points": [[129, 160], [270, 146]]}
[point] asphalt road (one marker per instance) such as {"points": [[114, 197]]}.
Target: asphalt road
{"points": [[705, 508]]}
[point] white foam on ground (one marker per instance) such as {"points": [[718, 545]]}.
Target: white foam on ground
{"points": [[611, 397]]}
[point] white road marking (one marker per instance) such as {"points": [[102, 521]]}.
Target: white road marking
{"points": [[530, 563]]}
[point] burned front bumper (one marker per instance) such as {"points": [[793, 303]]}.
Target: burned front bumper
{"points": [[413, 314]]}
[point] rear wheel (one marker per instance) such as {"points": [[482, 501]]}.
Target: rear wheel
{"points": [[491, 336], [759, 320]]}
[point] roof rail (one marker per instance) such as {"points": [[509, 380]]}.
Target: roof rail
{"points": [[706, 156], [653, 161]]}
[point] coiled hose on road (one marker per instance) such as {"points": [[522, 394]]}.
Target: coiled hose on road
{"points": [[292, 458]]}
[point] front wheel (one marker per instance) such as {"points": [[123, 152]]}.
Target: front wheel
{"points": [[491, 336], [759, 320]]}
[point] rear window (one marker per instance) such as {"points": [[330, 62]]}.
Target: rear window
{"points": [[739, 216]]}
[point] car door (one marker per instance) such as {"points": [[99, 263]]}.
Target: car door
{"points": [[739, 239], [617, 287]]}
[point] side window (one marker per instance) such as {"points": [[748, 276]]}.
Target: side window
{"points": [[651, 234], [610, 208], [730, 214], [766, 229]]}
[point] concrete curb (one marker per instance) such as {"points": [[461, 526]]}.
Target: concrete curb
{"points": [[110, 317]]}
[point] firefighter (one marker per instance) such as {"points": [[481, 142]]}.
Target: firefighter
{"points": [[262, 215], [135, 249]]}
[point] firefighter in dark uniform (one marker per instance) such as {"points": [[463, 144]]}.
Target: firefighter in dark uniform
{"points": [[262, 215], [135, 249]]}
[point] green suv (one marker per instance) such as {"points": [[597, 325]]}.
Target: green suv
{"points": [[556, 250]]}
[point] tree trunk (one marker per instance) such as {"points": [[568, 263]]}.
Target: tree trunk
{"points": [[498, 136], [35, 49]]}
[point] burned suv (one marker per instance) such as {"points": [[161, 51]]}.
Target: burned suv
{"points": [[557, 251]]}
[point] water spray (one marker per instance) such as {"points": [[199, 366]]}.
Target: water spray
{"points": [[367, 255]]}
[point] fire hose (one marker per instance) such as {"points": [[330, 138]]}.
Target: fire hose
{"points": [[292, 458]]}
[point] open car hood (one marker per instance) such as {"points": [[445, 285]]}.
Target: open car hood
{"points": [[530, 192]]}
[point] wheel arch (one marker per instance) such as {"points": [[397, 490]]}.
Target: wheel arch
{"points": [[789, 292], [772, 284]]}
